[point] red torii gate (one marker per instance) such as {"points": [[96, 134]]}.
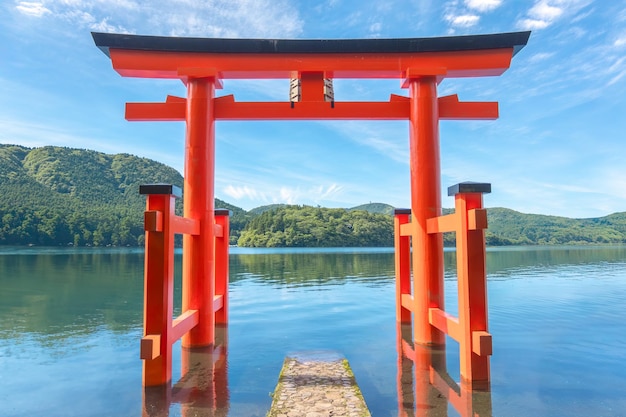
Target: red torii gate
{"points": [[421, 64]]}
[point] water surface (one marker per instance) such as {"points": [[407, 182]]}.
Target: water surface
{"points": [[71, 320]]}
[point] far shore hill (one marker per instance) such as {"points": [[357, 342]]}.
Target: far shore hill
{"points": [[63, 196]]}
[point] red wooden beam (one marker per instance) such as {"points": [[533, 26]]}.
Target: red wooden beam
{"points": [[445, 322], [227, 109], [163, 64], [183, 323], [450, 108], [163, 112]]}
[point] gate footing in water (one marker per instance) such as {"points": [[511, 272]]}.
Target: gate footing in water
{"points": [[317, 387]]}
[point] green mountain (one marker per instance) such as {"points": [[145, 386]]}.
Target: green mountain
{"points": [[60, 196], [509, 227]]}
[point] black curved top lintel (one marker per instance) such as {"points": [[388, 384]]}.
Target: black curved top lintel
{"points": [[515, 40]]}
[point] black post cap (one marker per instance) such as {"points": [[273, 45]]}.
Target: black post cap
{"points": [[469, 187], [170, 189], [401, 211], [222, 212]]}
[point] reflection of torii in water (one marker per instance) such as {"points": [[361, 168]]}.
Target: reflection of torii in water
{"points": [[421, 64]]}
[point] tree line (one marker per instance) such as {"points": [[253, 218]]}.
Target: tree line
{"points": [[64, 196], [306, 226]]}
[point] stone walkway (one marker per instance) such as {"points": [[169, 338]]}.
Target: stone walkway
{"points": [[317, 388]]}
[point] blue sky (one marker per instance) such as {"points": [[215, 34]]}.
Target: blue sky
{"points": [[559, 146]]}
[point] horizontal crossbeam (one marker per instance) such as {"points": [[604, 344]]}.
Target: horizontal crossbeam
{"points": [[165, 64], [445, 322], [218, 302], [226, 108], [450, 108], [476, 220], [185, 322]]}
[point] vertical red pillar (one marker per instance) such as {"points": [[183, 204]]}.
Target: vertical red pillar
{"points": [[198, 251], [402, 263], [221, 265], [425, 204], [156, 346], [476, 342]]}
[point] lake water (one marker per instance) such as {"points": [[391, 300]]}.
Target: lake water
{"points": [[71, 320]]}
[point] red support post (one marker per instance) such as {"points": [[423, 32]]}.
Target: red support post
{"points": [[470, 328], [475, 343], [425, 204], [221, 266], [198, 251], [402, 245], [156, 345]]}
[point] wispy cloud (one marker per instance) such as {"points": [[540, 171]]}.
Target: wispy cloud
{"points": [[387, 139], [546, 12], [32, 8], [219, 18], [541, 56], [241, 192], [464, 20], [467, 14], [287, 194], [375, 29], [483, 5], [543, 10], [34, 135], [330, 191], [314, 194]]}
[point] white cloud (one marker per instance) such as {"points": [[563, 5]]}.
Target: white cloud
{"points": [[483, 5], [34, 134], [241, 192], [616, 78], [223, 18], [541, 56], [466, 14], [381, 137], [288, 195], [543, 10], [376, 27], [283, 194], [314, 194], [618, 68], [104, 26], [32, 8], [621, 41], [532, 24], [465, 21], [328, 192]]}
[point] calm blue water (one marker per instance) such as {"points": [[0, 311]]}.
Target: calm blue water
{"points": [[71, 320]]}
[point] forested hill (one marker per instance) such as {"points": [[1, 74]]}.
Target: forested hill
{"points": [[305, 226], [61, 196]]}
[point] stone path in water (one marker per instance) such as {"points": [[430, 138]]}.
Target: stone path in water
{"points": [[317, 388]]}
